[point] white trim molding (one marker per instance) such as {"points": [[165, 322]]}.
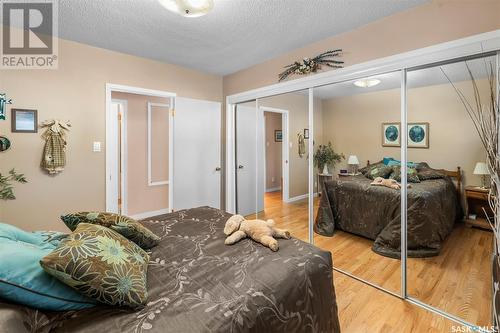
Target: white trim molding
{"points": [[145, 215], [150, 142], [300, 197], [123, 152]]}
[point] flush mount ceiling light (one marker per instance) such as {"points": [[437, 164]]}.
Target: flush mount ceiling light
{"points": [[366, 83], [188, 8]]}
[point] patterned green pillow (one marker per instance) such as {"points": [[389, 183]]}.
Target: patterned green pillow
{"points": [[368, 167], [101, 264], [378, 171], [123, 225], [412, 174]]}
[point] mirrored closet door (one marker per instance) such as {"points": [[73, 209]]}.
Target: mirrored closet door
{"points": [[283, 158], [450, 242], [247, 201], [356, 164]]}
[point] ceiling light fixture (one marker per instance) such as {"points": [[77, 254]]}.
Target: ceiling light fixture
{"points": [[366, 83], [188, 8]]}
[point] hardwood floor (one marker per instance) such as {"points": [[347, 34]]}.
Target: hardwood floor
{"points": [[457, 281]]}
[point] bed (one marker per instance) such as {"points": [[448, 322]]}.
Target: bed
{"points": [[198, 284], [352, 205]]}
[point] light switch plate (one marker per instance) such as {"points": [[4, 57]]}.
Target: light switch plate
{"points": [[96, 147]]}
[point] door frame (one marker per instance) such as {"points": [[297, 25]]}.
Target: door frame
{"points": [[123, 154], [111, 180], [285, 151]]}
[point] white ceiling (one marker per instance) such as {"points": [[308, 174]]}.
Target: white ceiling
{"points": [[235, 35]]}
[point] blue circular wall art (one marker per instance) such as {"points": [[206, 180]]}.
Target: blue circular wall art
{"points": [[391, 133], [417, 134]]}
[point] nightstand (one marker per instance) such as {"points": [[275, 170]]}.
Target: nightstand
{"points": [[477, 199]]}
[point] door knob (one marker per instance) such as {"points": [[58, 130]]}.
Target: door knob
{"points": [[240, 166], [217, 169]]}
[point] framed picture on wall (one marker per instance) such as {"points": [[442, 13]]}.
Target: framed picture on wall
{"points": [[24, 121], [418, 135], [391, 135], [278, 136]]}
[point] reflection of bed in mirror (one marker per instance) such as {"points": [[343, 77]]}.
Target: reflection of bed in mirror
{"points": [[353, 205]]}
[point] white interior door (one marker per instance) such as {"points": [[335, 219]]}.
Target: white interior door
{"points": [[197, 154], [246, 159]]}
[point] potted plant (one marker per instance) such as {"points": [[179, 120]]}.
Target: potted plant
{"points": [[6, 187], [326, 157]]}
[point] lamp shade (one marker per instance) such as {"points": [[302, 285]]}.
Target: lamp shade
{"points": [[353, 160], [481, 169]]}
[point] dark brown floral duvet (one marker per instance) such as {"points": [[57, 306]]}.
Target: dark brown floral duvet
{"points": [[198, 284], [351, 204]]}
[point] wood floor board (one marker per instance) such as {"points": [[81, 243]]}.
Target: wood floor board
{"points": [[457, 281]]}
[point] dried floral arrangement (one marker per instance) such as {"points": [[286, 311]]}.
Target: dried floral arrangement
{"points": [[308, 65], [485, 116]]}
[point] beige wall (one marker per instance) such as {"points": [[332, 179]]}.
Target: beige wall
{"points": [[273, 151], [436, 22], [353, 124], [140, 196], [76, 91]]}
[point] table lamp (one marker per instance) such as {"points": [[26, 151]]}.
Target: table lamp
{"points": [[482, 170], [353, 163]]}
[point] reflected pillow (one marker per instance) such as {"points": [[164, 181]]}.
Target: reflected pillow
{"points": [[368, 167], [101, 264], [428, 173], [393, 162], [386, 160], [123, 225], [378, 171], [23, 281], [412, 174]]}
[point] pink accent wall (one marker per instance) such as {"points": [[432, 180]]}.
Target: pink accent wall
{"points": [[141, 197]]}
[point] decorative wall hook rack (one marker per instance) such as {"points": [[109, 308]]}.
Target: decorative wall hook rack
{"points": [[57, 126]]}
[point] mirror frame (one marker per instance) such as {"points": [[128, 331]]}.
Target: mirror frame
{"points": [[462, 49]]}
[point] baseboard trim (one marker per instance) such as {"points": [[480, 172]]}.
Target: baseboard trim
{"points": [[299, 197], [273, 189], [145, 215]]}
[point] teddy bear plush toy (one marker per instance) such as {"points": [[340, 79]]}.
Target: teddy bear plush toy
{"points": [[261, 231], [391, 183]]}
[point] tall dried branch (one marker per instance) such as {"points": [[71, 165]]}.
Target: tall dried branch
{"points": [[485, 117]]}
